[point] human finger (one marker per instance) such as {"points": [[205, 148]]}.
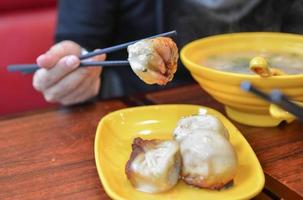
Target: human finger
{"points": [[44, 78], [70, 83], [56, 52]]}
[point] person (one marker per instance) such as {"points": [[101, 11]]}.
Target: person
{"points": [[85, 25]]}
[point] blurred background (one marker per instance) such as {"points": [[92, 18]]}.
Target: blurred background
{"points": [[26, 30]]}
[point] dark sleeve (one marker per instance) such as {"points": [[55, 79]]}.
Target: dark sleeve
{"points": [[87, 22], [293, 19]]}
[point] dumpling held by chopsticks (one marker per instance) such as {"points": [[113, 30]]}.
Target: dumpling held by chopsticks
{"points": [[154, 60]]}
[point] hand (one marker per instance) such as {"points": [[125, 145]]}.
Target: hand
{"points": [[60, 80]]}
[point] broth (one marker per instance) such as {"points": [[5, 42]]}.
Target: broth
{"points": [[238, 62]]}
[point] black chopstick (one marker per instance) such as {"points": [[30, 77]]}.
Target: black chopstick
{"points": [[282, 100], [30, 68], [247, 86], [122, 46], [275, 97]]}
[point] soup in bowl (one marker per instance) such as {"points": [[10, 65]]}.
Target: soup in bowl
{"points": [[220, 63]]}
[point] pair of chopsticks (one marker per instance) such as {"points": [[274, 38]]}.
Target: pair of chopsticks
{"points": [[30, 68], [275, 97]]}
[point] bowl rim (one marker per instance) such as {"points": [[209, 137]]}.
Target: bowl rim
{"points": [[194, 65]]}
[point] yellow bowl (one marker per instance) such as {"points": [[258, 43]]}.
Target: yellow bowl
{"points": [[241, 106], [117, 130]]}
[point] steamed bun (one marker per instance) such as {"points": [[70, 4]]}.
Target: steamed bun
{"points": [[208, 158], [186, 125], [154, 165]]}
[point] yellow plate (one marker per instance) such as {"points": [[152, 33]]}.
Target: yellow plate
{"points": [[117, 130]]}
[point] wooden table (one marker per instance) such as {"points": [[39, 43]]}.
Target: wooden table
{"points": [[49, 154]]}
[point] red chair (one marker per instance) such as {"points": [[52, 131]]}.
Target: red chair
{"points": [[26, 31]]}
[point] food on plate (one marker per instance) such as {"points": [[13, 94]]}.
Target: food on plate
{"points": [[154, 60], [208, 158], [154, 165], [239, 62], [186, 125], [201, 151]]}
